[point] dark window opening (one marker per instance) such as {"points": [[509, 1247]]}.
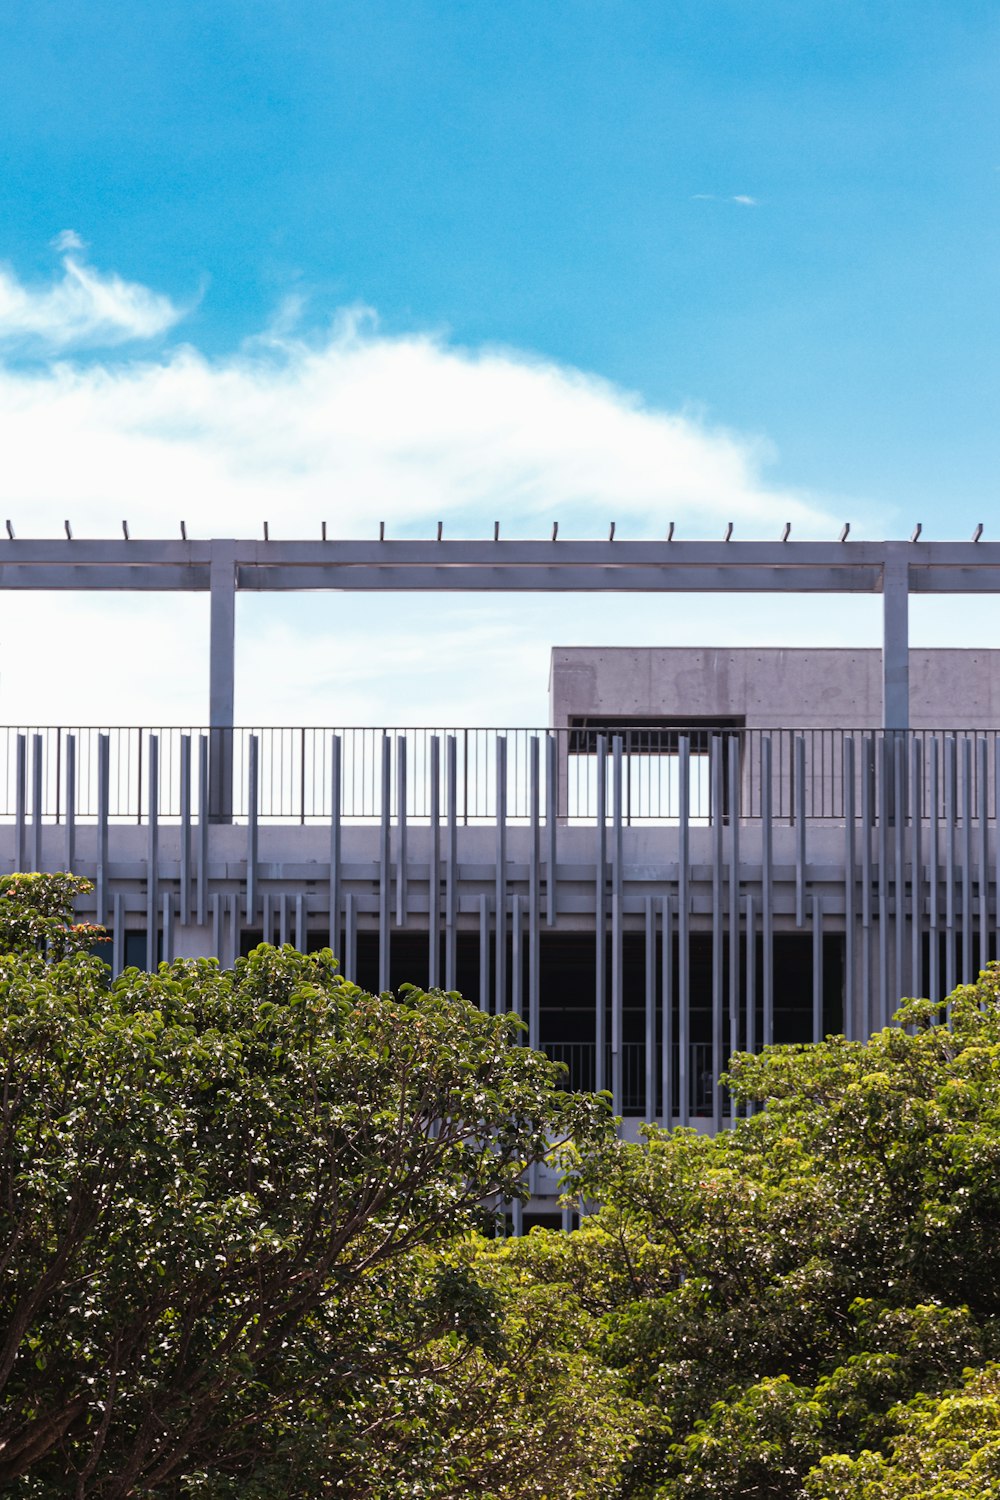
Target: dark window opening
{"points": [[651, 751]]}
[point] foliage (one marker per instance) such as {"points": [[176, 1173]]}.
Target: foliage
{"points": [[36, 913], [527, 1412], [225, 1202], [773, 1295], [944, 1448], [242, 1243]]}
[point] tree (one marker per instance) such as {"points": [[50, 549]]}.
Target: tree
{"points": [[239, 1219], [224, 1202], [943, 1448], [773, 1295], [524, 1411]]}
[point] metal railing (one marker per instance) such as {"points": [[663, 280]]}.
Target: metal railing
{"points": [[781, 774], [579, 1059]]}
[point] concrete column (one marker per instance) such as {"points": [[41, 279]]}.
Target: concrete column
{"points": [[222, 636], [895, 638]]}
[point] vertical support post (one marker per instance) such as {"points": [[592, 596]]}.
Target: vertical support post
{"points": [[302, 924], [434, 873], [253, 793], [185, 871], [849, 1019], [886, 800], [895, 718], [817, 968], [168, 927], [650, 978], [534, 899], [103, 801], [551, 825], [401, 889], [384, 866], [899, 863], [233, 945], [516, 956], [684, 929], [484, 953], [37, 800], [715, 771], [751, 976], [967, 974], [950, 795], [216, 910], [917, 878], [335, 795], [799, 763], [867, 814], [667, 1033], [21, 806], [767, 888], [933, 872], [203, 819], [118, 935], [152, 856], [617, 929], [996, 845], [500, 955], [351, 936], [70, 801], [222, 640], [982, 804], [895, 637], [883, 812], [451, 887], [734, 900], [600, 917]]}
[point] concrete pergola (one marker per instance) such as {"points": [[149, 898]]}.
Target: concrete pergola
{"points": [[221, 567]]}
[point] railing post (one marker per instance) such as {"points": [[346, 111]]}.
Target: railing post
{"points": [[222, 582], [37, 800], [21, 812]]}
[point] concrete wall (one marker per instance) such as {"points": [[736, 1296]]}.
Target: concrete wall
{"points": [[771, 688]]}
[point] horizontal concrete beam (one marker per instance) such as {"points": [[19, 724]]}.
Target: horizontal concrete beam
{"points": [[567, 578], [464, 566], [98, 577]]}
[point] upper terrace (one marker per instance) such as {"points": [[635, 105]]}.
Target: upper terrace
{"points": [[652, 699], [223, 567]]}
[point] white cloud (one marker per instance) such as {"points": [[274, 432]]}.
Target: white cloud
{"points": [[352, 428], [362, 427], [81, 307], [68, 239]]}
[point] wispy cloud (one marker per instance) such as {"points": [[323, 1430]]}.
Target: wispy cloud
{"points": [[80, 307], [744, 199], [359, 424], [353, 426]]}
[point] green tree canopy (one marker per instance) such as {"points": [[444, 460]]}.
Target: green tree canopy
{"points": [[222, 1198], [772, 1295], [943, 1448], [239, 1218]]}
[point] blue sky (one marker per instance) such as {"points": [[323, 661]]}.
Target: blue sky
{"points": [[755, 247]]}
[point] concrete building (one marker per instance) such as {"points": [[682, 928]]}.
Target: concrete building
{"points": [[704, 851]]}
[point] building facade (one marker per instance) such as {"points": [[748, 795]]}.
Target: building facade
{"points": [[704, 851]]}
